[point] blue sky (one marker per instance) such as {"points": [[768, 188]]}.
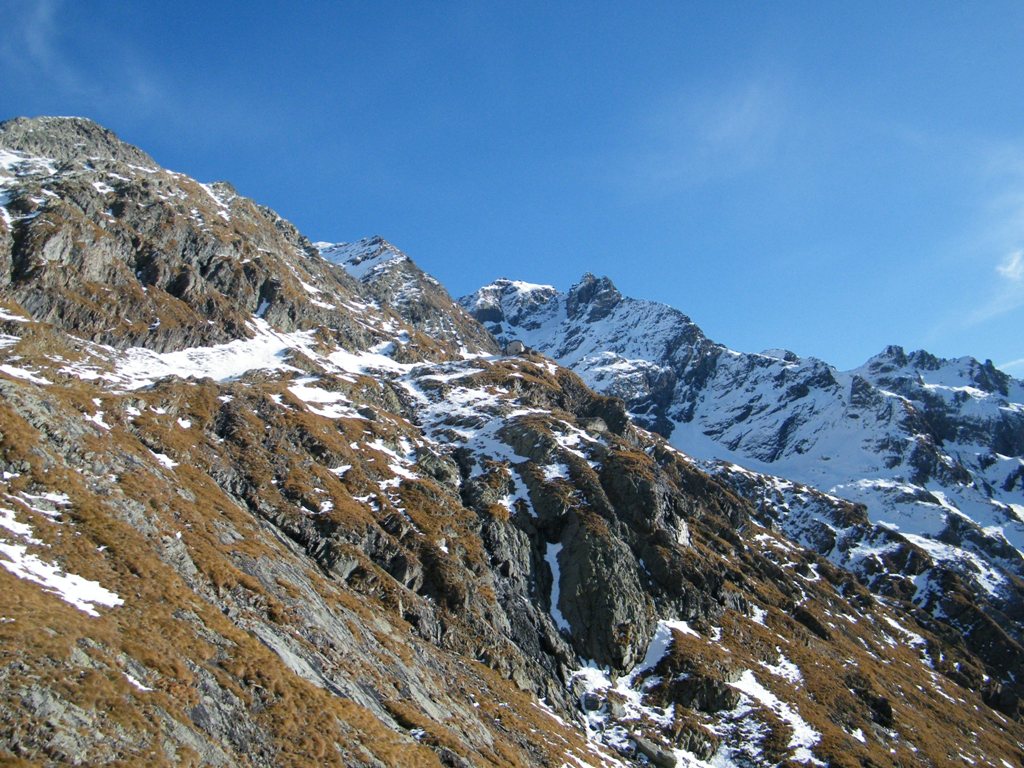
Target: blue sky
{"points": [[826, 177]]}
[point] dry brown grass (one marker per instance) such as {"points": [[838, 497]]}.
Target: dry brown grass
{"points": [[181, 632]]}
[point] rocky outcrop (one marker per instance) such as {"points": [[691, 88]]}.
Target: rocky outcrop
{"points": [[190, 264], [69, 140]]}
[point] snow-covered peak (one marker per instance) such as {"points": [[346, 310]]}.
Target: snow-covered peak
{"points": [[619, 345], [364, 259], [934, 448], [505, 302], [896, 369], [514, 302]]}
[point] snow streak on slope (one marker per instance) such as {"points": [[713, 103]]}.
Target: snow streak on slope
{"points": [[740, 726], [16, 541], [267, 350]]}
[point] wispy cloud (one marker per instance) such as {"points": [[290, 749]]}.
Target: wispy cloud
{"points": [[1006, 292], [999, 304], [1012, 365], [31, 44], [986, 255], [742, 124], [716, 133], [36, 46], [999, 238], [1012, 267]]}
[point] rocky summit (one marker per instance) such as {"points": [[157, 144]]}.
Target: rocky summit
{"points": [[265, 502]]}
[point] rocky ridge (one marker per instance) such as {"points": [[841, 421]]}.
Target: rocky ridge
{"points": [[395, 280], [265, 514]]}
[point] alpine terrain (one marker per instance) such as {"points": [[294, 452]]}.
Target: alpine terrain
{"points": [[265, 502], [908, 471]]}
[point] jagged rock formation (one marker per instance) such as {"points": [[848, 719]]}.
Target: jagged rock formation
{"points": [[273, 513], [933, 449]]}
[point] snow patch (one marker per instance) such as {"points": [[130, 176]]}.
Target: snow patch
{"points": [[804, 736], [164, 459], [551, 558]]}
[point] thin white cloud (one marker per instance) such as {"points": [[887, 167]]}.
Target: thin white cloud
{"points": [[1012, 267], [1012, 365], [999, 231], [998, 305], [718, 133], [31, 44], [38, 31], [1007, 294], [35, 46], [741, 121]]}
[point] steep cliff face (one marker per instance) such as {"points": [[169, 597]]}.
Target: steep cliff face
{"points": [[289, 515]]}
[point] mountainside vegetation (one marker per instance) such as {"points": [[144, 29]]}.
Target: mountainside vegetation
{"points": [[271, 503]]}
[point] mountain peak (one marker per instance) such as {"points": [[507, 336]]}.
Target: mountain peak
{"points": [[362, 258], [68, 139], [894, 361], [395, 280], [506, 301], [593, 296]]}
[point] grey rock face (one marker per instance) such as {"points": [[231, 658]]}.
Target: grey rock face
{"points": [[68, 140], [601, 596], [105, 242], [592, 299]]}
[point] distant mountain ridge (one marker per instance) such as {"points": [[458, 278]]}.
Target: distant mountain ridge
{"points": [[934, 449]]}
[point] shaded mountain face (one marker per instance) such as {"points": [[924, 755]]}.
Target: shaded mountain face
{"points": [[268, 504]]}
